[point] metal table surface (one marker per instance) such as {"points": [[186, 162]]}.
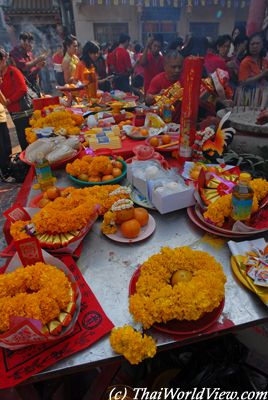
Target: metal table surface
{"points": [[108, 266]]}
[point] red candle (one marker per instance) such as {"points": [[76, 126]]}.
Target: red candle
{"points": [[192, 73]]}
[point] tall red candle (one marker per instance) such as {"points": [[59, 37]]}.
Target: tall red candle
{"points": [[192, 73]]}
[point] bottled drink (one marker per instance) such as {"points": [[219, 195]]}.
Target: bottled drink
{"points": [[167, 113], [43, 172], [242, 198]]}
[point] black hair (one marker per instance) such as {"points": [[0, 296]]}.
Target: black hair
{"points": [[68, 41], [241, 38], [89, 48], [137, 48], [257, 34], [175, 43], [157, 37], [172, 54], [26, 36], [197, 46], [123, 38], [222, 39], [138, 81], [241, 28]]}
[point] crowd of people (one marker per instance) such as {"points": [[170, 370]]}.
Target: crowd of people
{"points": [[124, 66]]}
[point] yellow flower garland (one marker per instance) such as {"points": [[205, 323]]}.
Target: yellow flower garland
{"points": [[156, 300], [38, 291], [260, 188], [133, 345]]}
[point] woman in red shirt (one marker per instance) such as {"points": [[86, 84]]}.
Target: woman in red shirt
{"points": [[14, 88], [253, 70]]}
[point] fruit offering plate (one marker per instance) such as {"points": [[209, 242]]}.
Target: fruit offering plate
{"points": [[145, 232], [57, 165], [106, 182], [249, 264], [164, 143], [176, 327], [196, 216], [25, 331], [142, 132]]}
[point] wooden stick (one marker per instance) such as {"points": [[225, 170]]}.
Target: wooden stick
{"points": [[163, 146]]}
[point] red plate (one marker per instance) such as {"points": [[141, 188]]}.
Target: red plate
{"points": [[175, 327], [194, 218], [224, 231], [174, 138], [56, 165]]}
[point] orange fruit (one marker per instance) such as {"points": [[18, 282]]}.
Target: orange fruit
{"points": [[83, 177], [116, 172], [265, 251], [109, 169], [52, 193], [43, 202], [130, 229], [94, 179], [124, 215], [166, 139], [141, 215], [144, 132], [107, 178], [154, 141]]}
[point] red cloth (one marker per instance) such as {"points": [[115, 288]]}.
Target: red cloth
{"points": [[92, 324], [153, 67], [13, 87], [57, 58], [213, 61], [21, 57], [122, 60]]}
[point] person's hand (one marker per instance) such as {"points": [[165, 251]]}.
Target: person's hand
{"points": [[41, 58], [109, 78], [149, 99]]}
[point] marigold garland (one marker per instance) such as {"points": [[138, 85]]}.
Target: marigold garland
{"points": [[17, 230], [38, 291], [64, 214], [156, 300], [133, 345], [260, 188]]}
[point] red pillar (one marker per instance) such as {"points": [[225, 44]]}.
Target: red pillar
{"points": [[256, 16]]}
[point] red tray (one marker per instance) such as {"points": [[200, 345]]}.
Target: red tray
{"points": [[58, 164]]}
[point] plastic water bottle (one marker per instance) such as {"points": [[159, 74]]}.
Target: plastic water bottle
{"points": [[242, 198], [43, 172]]}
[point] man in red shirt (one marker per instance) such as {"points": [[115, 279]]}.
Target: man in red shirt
{"points": [[122, 64], [173, 65], [152, 60], [24, 60]]}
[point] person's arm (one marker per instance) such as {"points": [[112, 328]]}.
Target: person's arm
{"points": [[144, 57], [3, 99], [67, 72], [244, 75]]}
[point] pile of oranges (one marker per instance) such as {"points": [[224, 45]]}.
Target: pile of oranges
{"points": [[95, 169], [130, 221], [156, 141], [49, 195]]}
